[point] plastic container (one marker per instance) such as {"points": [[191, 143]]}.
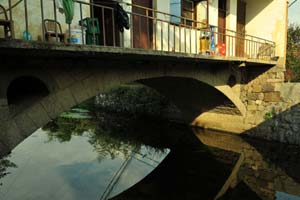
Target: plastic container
{"points": [[76, 36]]}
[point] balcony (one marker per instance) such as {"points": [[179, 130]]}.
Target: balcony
{"points": [[103, 29]]}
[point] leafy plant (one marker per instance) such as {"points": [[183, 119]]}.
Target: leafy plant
{"points": [[293, 53], [268, 115]]}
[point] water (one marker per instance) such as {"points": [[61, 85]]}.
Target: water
{"points": [[71, 158], [83, 155]]}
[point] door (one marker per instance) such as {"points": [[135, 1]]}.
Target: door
{"points": [[240, 28], [109, 34], [222, 22], [142, 25]]}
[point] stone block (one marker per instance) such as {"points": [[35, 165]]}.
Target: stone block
{"points": [[260, 96], [272, 97], [62, 78], [252, 96], [252, 108], [274, 80], [79, 71], [38, 115], [258, 102], [257, 88], [12, 134], [3, 102], [52, 106], [4, 113], [65, 99], [91, 86], [79, 92], [268, 87], [25, 124], [261, 108]]}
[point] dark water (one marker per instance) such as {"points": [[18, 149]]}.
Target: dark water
{"points": [[83, 155]]}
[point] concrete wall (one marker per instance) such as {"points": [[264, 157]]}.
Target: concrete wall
{"points": [[35, 19], [268, 19]]}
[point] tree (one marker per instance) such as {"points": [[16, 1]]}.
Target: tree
{"points": [[293, 53]]}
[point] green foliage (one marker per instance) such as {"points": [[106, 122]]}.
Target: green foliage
{"points": [[4, 165], [109, 136], [132, 99], [293, 53], [268, 115]]}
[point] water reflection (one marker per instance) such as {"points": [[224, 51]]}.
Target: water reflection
{"points": [[5, 165], [93, 155], [79, 158]]}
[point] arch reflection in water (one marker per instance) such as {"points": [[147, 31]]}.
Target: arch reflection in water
{"points": [[76, 157]]}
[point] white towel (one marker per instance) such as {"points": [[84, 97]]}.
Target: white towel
{"points": [[59, 6]]}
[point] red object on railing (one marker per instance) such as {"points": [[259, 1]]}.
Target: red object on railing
{"points": [[222, 49]]}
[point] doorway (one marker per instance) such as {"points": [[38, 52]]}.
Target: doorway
{"points": [[222, 22], [109, 35], [142, 25], [240, 28]]}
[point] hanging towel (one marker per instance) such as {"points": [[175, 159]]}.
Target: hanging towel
{"points": [[59, 6]]}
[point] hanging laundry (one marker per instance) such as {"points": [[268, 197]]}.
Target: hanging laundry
{"points": [[59, 6], [121, 17]]}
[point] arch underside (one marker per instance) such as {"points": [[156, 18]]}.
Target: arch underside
{"points": [[186, 90]]}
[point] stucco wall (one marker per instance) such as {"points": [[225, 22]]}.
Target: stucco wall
{"points": [[267, 19], [35, 19]]}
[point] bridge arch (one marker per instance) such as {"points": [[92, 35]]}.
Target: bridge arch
{"points": [[26, 88], [178, 85]]}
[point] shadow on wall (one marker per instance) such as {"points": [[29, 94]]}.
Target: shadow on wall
{"points": [[255, 8], [284, 128]]}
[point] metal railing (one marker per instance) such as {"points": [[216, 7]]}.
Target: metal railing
{"points": [[148, 29]]}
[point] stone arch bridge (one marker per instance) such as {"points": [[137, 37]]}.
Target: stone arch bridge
{"points": [[38, 82]]}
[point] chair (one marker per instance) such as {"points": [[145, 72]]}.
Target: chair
{"points": [[7, 24], [49, 26]]}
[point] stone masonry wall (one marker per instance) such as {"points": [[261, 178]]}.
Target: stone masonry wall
{"points": [[272, 106]]}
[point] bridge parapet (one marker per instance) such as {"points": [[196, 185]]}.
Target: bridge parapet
{"points": [[148, 29]]}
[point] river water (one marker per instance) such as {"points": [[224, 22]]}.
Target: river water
{"points": [[93, 155]]}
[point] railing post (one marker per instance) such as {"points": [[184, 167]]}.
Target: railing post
{"points": [[81, 18], [168, 36], [148, 31], [42, 16], [184, 35], [26, 19], [93, 23], [131, 31], [155, 27], [140, 31], [55, 19], [179, 37], [174, 38], [161, 36], [191, 39], [113, 26], [103, 27], [10, 10]]}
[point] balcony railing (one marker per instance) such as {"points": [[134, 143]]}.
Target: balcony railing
{"points": [[150, 29]]}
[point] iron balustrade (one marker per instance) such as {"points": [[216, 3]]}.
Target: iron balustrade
{"points": [[153, 30]]}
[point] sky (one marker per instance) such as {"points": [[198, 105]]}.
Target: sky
{"points": [[294, 13]]}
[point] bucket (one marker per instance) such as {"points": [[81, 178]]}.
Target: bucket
{"points": [[76, 36]]}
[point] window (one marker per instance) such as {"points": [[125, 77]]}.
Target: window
{"points": [[175, 9], [182, 8]]}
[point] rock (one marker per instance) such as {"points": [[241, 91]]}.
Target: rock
{"points": [[268, 87], [257, 88], [272, 97]]}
